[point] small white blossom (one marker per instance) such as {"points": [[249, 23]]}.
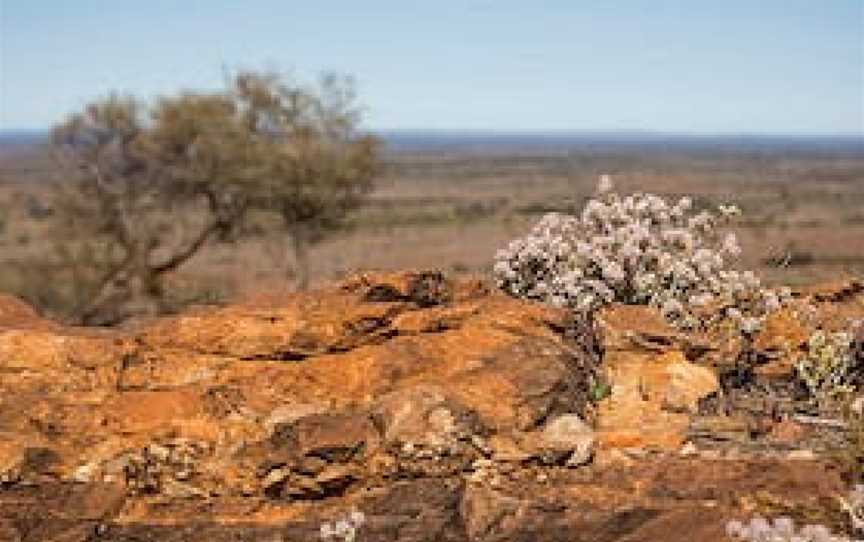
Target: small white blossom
{"points": [[635, 249], [605, 184]]}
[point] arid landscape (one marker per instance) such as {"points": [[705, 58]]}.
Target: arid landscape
{"points": [[451, 202], [453, 271], [413, 407], [425, 404]]}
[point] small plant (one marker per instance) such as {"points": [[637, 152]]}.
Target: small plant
{"points": [[851, 456], [344, 529], [853, 505], [638, 249], [599, 391], [826, 369]]}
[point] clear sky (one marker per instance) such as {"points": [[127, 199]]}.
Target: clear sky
{"points": [[707, 66]]}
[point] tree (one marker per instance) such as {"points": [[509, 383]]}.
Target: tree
{"points": [[146, 189], [319, 166], [148, 186]]}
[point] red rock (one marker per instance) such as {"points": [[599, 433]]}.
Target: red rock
{"points": [[15, 313], [388, 392], [787, 432], [652, 398]]}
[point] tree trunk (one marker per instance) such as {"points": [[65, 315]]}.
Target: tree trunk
{"points": [[300, 246]]}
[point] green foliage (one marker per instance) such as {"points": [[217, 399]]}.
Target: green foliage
{"points": [[600, 391]]}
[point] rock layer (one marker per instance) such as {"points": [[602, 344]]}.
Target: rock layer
{"points": [[440, 409]]}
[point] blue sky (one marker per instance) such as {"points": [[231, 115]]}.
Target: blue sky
{"points": [[706, 66]]}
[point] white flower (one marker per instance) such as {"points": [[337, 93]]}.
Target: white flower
{"points": [[358, 518], [634, 249], [729, 210], [750, 325], [772, 301], [730, 245], [613, 271], [605, 184], [327, 531]]}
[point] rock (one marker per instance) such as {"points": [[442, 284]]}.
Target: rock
{"points": [[857, 405], [688, 449], [486, 511], [787, 432], [11, 461], [629, 327], [440, 409], [290, 413], [838, 290], [15, 313], [335, 479], [85, 473], [801, 455], [563, 440], [567, 436], [780, 340], [652, 397], [424, 416], [336, 437]]}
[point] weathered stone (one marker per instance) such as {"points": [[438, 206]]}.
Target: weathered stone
{"points": [[442, 410], [11, 461], [629, 327], [564, 440], [15, 313], [569, 434], [780, 340], [424, 416], [652, 397], [787, 432]]}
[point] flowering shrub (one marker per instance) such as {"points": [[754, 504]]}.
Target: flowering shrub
{"points": [[344, 529], [638, 249], [782, 529], [827, 368]]}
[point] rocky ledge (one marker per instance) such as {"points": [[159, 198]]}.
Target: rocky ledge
{"points": [[437, 409]]}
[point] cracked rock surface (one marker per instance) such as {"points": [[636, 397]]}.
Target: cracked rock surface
{"points": [[440, 409]]}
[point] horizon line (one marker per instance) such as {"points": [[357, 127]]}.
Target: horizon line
{"points": [[558, 132]]}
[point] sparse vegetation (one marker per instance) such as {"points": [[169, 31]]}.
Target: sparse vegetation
{"points": [[435, 207], [147, 186], [316, 167], [638, 249], [827, 368]]}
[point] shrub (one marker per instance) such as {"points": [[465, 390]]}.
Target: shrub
{"points": [[851, 456], [827, 368], [637, 249]]}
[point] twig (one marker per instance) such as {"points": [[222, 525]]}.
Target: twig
{"points": [[813, 420]]}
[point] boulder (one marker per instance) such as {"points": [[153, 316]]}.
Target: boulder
{"points": [[379, 375], [653, 388]]}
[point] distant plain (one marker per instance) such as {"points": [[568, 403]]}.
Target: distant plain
{"points": [[450, 200]]}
